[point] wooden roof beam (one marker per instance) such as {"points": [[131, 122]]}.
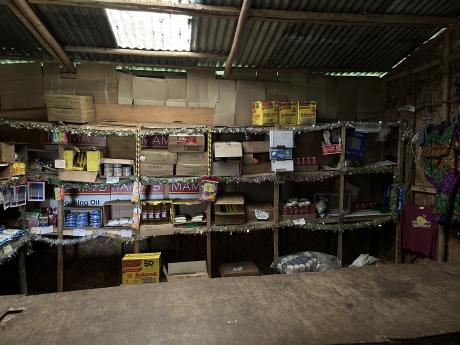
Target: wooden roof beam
{"points": [[145, 53], [22, 10], [261, 14], [242, 19]]}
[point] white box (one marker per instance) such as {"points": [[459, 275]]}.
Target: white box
{"points": [[228, 149], [280, 166], [282, 139]]}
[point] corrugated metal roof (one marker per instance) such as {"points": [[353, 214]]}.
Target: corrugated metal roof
{"points": [[264, 44], [15, 39]]}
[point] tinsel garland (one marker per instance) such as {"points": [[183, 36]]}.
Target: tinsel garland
{"points": [[369, 170], [318, 226], [191, 231], [90, 185], [16, 246], [172, 130], [146, 180], [310, 177], [243, 228], [249, 179]]}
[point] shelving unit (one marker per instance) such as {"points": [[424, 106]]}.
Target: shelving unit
{"points": [[337, 223]]}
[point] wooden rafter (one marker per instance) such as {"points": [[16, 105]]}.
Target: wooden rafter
{"points": [[238, 34], [261, 14], [22, 10]]}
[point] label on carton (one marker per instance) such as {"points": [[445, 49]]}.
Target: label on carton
{"points": [[59, 163], [186, 140]]}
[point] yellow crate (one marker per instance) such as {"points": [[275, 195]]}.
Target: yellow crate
{"points": [[68, 157], [141, 268], [93, 160], [306, 111], [265, 113], [288, 113]]}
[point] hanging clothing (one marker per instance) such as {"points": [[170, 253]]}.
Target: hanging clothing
{"points": [[419, 234], [440, 148]]}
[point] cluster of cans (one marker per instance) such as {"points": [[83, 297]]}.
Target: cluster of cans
{"points": [[83, 219], [306, 161]]}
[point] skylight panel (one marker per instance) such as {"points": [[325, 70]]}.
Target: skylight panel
{"points": [[150, 30]]}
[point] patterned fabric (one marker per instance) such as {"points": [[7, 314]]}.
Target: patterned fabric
{"points": [[440, 150]]}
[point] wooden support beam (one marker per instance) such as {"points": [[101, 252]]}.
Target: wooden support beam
{"points": [[145, 53], [22, 10], [227, 12], [276, 210], [242, 19]]}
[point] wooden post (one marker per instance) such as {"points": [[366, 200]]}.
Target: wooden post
{"points": [[208, 238], [445, 108], [137, 231], [60, 234], [22, 272], [343, 136], [399, 173], [276, 210]]}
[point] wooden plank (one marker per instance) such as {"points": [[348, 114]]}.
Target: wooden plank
{"points": [[276, 212], [242, 19], [22, 272], [60, 235], [227, 12], [343, 135], [399, 171], [144, 113], [144, 53], [208, 238], [421, 189], [252, 310]]}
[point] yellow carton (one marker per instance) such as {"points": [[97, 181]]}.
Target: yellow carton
{"points": [[306, 113], [17, 168], [265, 113], [93, 160], [288, 113], [68, 157], [141, 268]]}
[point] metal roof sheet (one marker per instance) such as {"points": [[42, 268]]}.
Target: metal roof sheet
{"points": [[265, 44]]}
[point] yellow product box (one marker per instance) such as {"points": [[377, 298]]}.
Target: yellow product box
{"points": [[265, 113], [306, 111], [17, 168], [93, 160], [288, 113], [141, 268], [68, 157]]}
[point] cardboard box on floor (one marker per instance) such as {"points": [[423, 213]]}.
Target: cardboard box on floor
{"points": [[140, 268], [185, 270], [239, 269]]}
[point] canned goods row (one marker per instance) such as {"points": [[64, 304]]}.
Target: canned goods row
{"points": [[117, 170], [306, 161]]}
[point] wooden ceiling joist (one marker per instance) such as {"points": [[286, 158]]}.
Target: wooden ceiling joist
{"points": [[242, 19], [22, 10], [145, 53], [261, 14]]}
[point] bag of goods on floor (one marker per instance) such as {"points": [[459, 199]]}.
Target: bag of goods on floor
{"points": [[306, 262]]}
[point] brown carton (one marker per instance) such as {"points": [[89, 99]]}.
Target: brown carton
{"points": [[158, 156], [191, 169], [7, 153], [71, 115], [69, 101], [192, 158], [228, 168], [256, 146], [229, 210], [157, 170], [186, 143], [239, 269]]}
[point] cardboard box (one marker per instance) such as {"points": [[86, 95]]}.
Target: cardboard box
{"points": [[227, 168], [117, 209], [123, 147], [185, 270], [93, 160], [24, 100], [157, 170], [98, 81], [69, 157], [265, 113], [229, 210], [306, 113], [191, 169], [192, 158], [259, 168], [71, 115], [288, 113], [259, 212], [158, 156], [228, 149], [239, 269], [77, 176], [7, 154], [149, 91], [282, 166], [141, 268], [186, 143], [280, 154], [256, 146], [125, 88], [8, 170], [69, 101], [281, 139]]}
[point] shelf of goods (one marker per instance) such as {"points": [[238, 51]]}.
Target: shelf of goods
{"points": [[143, 228]]}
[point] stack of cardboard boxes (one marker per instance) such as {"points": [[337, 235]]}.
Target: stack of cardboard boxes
{"points": [[70, 108], [185, 152], [269, 113], [227, 156], [281, 145]]}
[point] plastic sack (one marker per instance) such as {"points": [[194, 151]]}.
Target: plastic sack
{"points": [[306, 262]]}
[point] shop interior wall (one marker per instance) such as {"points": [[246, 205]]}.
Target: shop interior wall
{"points": [[97, 263]]}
